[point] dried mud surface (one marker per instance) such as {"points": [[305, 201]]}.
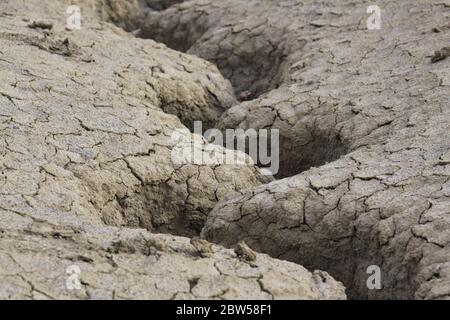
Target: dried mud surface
{"points": [[87, 178]]}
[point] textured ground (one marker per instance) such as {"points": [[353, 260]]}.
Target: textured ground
{"points": [[85, 127], [367, 112], [86, 119]]}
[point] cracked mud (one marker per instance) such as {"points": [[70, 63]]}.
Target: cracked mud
{"points": [[86, 176]]}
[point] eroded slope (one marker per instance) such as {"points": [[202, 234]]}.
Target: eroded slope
{"points": [[367, 112], [86, 120]]}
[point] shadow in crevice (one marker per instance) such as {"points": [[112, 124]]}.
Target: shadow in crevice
{"points": [[286, 155], [296, 158], [248, 59]]}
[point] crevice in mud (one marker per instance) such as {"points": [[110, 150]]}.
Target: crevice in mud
{"points": [[160, 4], [157, 208], [296, 158], [285, 156], [253, 70], [253, 67], [130, 14], [252, 73]]}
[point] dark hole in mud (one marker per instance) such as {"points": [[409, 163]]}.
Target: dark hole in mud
{"points": [[130, 15], [161, 4], [253, 73], [253, 67], [283, 156], [296, 158]]}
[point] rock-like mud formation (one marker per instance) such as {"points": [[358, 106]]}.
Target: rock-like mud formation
{"points": [[133, 264], [367, 112], [86, 127], [87, 120]]}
